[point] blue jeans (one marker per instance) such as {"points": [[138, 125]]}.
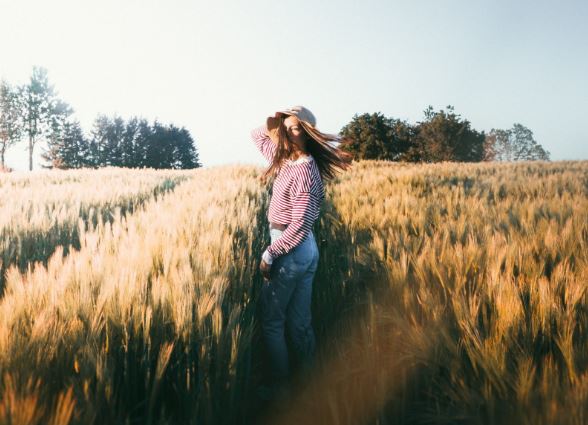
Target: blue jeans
{"points": [[286, 299]]}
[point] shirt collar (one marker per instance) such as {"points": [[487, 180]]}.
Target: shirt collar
{"points": [[299, 160]]}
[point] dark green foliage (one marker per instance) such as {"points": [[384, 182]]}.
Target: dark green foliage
{"points": [[443, 136], [166, 147], [131, 144], [375, 136], [69, 149]]}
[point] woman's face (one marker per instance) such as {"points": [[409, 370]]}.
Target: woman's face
{"points": [[294, 131]]}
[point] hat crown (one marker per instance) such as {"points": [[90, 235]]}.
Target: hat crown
{"points": [[301, 113]]}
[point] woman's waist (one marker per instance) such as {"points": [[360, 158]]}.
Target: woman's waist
{"points": [[277, 230], [277, 226], [280, 228]]}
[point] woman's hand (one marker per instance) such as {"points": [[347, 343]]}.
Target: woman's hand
{"points": [[272, 124], [265, 269]]}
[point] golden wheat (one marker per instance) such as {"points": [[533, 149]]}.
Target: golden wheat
{"points": [[445, 292], [42, 211]]}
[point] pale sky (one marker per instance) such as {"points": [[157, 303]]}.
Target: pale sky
{"points": [[219, 68]]}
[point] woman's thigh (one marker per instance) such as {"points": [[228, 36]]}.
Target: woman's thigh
{"points": [[278, 290]]}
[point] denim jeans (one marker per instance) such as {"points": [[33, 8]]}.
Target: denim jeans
{"points": [[286, 299]]}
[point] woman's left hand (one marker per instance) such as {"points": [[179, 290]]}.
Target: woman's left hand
{"points": [[265, 269]]}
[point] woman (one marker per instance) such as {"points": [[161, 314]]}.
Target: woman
{"points": [[300, 158]]}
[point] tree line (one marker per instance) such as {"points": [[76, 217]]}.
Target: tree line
{"points": [[134, 143], [33, 112], [442, 136]]}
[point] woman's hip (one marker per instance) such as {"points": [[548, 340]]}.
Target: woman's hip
{"points": [[300, 256]]}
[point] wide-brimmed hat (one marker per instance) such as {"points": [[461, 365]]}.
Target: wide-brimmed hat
{"points": [[300, 112]]}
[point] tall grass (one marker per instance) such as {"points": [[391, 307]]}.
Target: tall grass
{"points": [[145, 322], [480, 313], [446, 293], [46, 209]]}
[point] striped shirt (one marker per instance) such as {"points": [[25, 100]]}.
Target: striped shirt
{"points": [[297, 194]]}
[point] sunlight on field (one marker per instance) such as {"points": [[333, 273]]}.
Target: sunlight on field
{"points": [[445, 293]]}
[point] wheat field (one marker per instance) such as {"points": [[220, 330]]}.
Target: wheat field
{"points": [[445, 293]]}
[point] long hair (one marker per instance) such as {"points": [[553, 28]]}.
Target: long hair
{"points": [[325, 149]]}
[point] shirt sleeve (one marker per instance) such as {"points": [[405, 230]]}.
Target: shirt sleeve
{"points": [[263, 142], [304, 212]]}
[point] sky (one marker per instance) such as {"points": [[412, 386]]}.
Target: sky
{"points": [[219, 68]]}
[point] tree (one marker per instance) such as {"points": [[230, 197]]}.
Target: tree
{"points": [[114, 142], [374, 136], [10, 121], [129, 143], [537, 152], [99, 141], [37, 99], [444, 136], [184, 154], [490, 144], [142, 143], [515, 144], [70, 150], [57, 117], [160, 147]]}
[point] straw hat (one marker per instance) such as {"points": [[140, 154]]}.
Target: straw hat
{"points": [[300, 112]]}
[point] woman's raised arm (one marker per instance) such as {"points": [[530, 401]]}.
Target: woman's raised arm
{"points": [[264, 143]]}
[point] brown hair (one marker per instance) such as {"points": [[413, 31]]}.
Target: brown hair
{"points": [[320, 145]]}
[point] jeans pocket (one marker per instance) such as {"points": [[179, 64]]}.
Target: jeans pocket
{"points": [[303, 256]]}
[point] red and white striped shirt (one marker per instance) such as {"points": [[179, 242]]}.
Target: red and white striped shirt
{"points": [[297, 194]]}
